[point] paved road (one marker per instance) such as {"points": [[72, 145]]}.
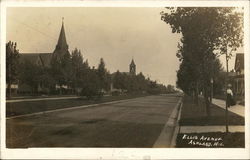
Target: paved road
{"points": [[133, 123]]}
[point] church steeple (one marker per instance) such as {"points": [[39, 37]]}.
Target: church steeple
{"points": [[132, 67], [62, 43]]}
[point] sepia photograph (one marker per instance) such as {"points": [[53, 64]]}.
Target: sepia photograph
{"points": [[135, 77]]}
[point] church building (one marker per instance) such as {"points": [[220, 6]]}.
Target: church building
{"points": [[44, 59], [132, 68], [132, 72], [47, 59]]}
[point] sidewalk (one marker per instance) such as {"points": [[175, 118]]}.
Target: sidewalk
{"points": [[201, 129], [237, 109]]}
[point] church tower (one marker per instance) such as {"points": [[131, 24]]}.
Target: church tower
{"points": [[132, 68], [62, 46]]}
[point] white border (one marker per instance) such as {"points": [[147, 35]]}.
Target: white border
{"points": [[124, 153]]}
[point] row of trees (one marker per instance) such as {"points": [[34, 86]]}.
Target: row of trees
{"points": [[188, 81], [137, 83], [70, 73], [206, 34], [12, 55]]}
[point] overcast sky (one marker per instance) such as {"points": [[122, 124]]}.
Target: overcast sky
{"points": [[115, 34]]}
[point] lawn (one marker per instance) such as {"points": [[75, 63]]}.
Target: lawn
{"points": [[25, 96], [195, 115], [21, 108], [211, 140]]}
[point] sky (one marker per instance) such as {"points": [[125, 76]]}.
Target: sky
{"points": [[115, 34]]}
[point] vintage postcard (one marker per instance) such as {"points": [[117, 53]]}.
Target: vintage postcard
{"points": [[124, 79]]}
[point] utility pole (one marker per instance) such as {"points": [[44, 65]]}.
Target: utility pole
{"points": [[212, 89], [227, 58], [212, 80]]}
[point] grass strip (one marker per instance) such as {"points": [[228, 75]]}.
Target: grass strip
{"points": [[28, 107], [195, 114]]}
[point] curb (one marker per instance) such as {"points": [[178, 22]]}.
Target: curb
{"points": [[177, 126], [165, 138]]}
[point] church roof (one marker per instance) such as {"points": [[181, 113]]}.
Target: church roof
{"points": [[62, 43], [239, 61], [35, 58], [46, 58], [30, 57]]}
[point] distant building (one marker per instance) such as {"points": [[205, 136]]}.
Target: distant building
{"points": [[132, 72], [239, 82], [236, 78], [132, 68]]}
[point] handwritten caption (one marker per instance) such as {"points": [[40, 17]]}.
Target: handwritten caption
{"points": [[203, 141]]}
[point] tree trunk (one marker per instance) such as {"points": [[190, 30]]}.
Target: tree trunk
{"points": [[9, 90], [208, 112], [196, 93], [10, 81], [60, 91]]}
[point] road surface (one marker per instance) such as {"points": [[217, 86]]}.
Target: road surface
{"points": [[134, 123]]}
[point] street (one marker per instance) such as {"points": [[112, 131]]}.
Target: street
{"points": [[133, 123]]}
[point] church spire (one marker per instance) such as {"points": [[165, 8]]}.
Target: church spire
{"points": [[132, 67], [132, 62], [62, 43]]}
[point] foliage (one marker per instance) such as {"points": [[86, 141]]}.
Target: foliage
{"points": [[206, 33], [12, 56], [46, 80], [91, 85], [170, 88], [119, 80], [71, 71], [78, 68], [136, 84], [61, 69], [103, 75], [29, 74]]}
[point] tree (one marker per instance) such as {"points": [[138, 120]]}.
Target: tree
{"points": [[206, 32], [30, 74], [218, 77], [46, 80], [118, 80], [103, 75], [170, 88], [91, 84], [78, 69], [186, 78], [12, 56], [61, 70], [141, 82]]}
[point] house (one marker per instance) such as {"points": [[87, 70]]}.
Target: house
{"points": [[238, 79]]}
